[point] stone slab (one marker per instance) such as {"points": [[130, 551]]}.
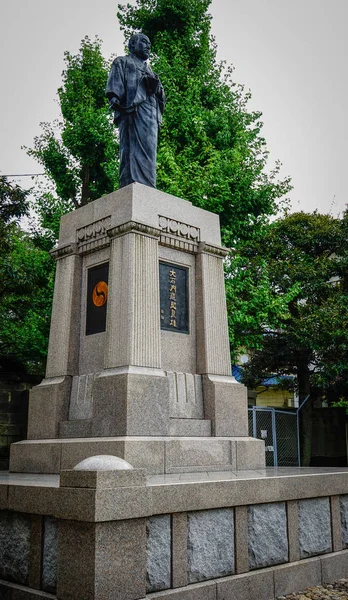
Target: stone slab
{"points": [[179, 550], [344, 518], [51, 400], [75, 429], [50, 555], [159, 555], [12, 591], [297, 576], [15, 532], [189, 427], [198, 591], [241, 526], [35, 558], [334, 566], [226, 404], [250, 586], [250, 454], [267, 535], [294, 546], [197, 453], [130, 404], [210, 544], [314, 521], [337, 544], [102, 479], [35, 457]]}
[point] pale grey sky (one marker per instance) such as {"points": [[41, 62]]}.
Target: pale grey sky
{"points": [[291, 54]]}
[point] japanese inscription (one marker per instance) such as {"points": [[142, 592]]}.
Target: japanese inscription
{"points": [[174, 297], [97, 295]]}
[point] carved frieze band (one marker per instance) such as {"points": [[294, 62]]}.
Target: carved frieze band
{"points": [[179, 235], [93, 231], [93, 234], [134, 227], [219, 251], [63, 251], [182, 230]]}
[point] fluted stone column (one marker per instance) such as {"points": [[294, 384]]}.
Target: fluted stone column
{"points": [[131, 395], [225, 400], [133, 322], [52, 396]]}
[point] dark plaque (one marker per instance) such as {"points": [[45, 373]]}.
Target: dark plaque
{"points": [[174, 297], [97, 295]]}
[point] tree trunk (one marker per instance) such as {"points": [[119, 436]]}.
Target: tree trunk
{"points": [[305, 414], [85, 185]]}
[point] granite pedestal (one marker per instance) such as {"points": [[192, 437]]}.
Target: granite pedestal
{"points": [[139, 368], [138, 361]]}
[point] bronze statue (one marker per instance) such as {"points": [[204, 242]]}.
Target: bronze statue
{"points": [[137, 98]]}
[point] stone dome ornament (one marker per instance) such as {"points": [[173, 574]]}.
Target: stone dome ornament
{"points": [[103, 462]]}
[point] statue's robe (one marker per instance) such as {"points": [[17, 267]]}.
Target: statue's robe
{"points": [[137, 99]]}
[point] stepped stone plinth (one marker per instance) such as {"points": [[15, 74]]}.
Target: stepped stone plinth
{"points": [[139, 352]]}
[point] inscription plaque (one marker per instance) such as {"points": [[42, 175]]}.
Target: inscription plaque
{"points": [[97, 296], [174, 297]]}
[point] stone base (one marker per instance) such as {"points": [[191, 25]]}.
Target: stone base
{"points": [[130, 403], [155, 454], [98, 535]]}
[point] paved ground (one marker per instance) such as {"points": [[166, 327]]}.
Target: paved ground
{"points": [[336, 591]]}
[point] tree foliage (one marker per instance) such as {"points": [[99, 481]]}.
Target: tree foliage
{"points": [[13, 206], [211, 150], [306, 259], [25, 305], [79, 151], [297, 265]]}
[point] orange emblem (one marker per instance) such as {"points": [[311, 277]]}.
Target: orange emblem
{"points": [[100, 293]]}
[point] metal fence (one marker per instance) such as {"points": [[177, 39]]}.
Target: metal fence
{"points": [[279, 430]]}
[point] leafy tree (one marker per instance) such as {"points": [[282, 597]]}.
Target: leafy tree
{"points": [[26, 277], [306, 258], [13, 206], [79, 151], [211, 151]]}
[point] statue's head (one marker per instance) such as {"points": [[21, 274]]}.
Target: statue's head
{"points": [[140, 45]]}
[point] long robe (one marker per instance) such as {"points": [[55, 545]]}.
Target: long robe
{"points": [[138, 114]]}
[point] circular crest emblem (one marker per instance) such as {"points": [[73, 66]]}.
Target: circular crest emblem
{"points": [[100, 293]]}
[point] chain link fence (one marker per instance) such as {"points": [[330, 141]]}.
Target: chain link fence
{"points": [[279, 430]]}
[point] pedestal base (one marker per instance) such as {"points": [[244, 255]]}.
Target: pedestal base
{"points": [[154, 454]]}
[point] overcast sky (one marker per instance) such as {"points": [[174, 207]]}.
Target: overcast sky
{"points": [[291, 54]]}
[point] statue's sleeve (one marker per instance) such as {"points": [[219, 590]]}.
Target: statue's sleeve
{"points": [[115, 87]]}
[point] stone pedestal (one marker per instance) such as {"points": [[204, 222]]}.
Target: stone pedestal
{"points": [[139, 338]]}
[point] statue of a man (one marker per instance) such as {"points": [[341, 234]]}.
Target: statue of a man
{"points": [[136, 96]]}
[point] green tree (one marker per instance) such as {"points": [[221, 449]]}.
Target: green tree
{"points": [[211, 151], [26, 276], [13, 206], [303, 256], [79, 151]]}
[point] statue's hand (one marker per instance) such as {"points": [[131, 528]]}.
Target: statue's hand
{"points": [[113, 103]]}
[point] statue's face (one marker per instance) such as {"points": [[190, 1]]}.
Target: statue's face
{"points": [[142, 47]]}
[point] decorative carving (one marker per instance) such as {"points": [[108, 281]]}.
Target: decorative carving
{"points": [[63, 251], [93, 231], [134, 227], [93, 236], [219, 251], [182, 230], [179, 235]]}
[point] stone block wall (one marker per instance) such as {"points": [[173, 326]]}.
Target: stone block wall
{"points": [[268, 549]]}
